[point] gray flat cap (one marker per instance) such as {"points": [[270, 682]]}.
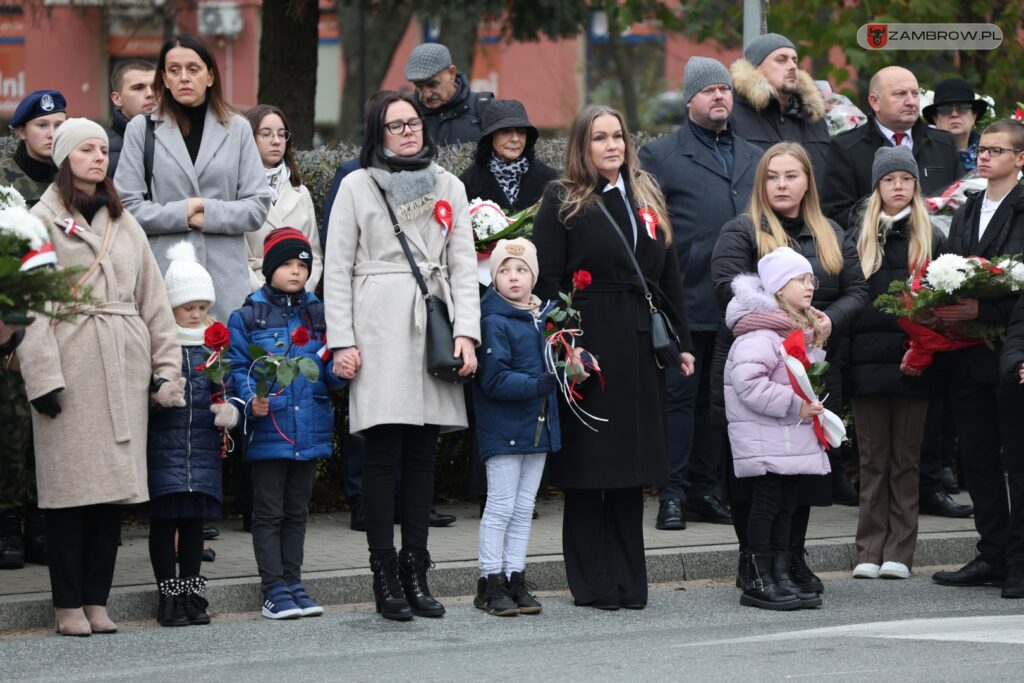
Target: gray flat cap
{"points": [[426, 61]]}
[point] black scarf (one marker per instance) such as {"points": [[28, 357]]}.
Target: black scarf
{"points": [[792, 226], [39, 171], [416, 162], [95, 204]]}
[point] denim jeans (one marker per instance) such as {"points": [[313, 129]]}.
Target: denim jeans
{"points": [[512, 482]]}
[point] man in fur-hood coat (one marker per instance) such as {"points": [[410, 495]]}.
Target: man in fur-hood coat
{"points": [[775, 101]]}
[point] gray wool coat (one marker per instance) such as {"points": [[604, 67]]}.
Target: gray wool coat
{"points": [[227, 175], [372, 301]]}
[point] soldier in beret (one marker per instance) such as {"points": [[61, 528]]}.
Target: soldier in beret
{"points": [[30, 171]]}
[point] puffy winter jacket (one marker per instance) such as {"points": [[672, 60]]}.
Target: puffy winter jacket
{"points": [[765, 429], [505, 398], [183, 450], [300, 425]]}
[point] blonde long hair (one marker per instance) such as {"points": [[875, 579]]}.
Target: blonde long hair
{"points": [[869, 245], [802, 319], [581, 176], [760, 211]]}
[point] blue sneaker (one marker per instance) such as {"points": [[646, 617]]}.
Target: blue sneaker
{"points": [[306, 604], [279, 604]]}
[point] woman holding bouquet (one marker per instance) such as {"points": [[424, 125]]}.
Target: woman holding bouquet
{"points": [[786, 211], [603, 472], [376, 327], [894, 238], [91, 381], [504, 169]]}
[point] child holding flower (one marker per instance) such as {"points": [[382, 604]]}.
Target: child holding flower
{"points": [[184, 448], [289, 421]]}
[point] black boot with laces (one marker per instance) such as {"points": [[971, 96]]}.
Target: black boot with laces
{"points": [[519, 590], [492, 596]]}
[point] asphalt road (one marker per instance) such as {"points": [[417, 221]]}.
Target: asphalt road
{"points": [[884, 630]]}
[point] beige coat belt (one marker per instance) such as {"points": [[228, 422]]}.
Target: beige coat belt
{"points": [[429, 270]]}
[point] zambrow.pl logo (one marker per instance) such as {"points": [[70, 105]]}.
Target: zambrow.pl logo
{"points": [[929, 36]]}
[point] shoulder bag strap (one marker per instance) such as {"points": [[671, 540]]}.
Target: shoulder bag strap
{"points": [[147, 155], [629, 250], [405, 244], [107, 236]]}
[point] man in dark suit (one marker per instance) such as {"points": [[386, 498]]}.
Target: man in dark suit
{"points": [[894, 98], [707, 175], [987, 407]]}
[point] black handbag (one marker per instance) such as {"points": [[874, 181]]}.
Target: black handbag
{"points": [[440, 342], [664, 339]]}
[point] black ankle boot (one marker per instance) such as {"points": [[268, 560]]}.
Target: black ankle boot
{"points": [[764, 592], [12, 550], [492, 596], [387, 589], [519, 590], [195, 604], [412, 572], [807, 599], [171, 608], [744, 581], [800, 573]]}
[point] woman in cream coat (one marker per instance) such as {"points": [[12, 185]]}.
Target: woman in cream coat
{"points": [[91, 380], [292, 206], [376, 321]]}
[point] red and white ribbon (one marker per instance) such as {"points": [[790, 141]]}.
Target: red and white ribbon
{"points": [[70, 227], [325, 352], [443, 214], [43, 256], [650, 220]]}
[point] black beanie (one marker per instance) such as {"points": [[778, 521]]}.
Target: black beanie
{"points": [[282, 245]]}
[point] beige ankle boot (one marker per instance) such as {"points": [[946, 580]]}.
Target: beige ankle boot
{"points": [[71, 621], [99, 620]]}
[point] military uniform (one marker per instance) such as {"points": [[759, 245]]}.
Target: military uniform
{"points": [[11, 174]]}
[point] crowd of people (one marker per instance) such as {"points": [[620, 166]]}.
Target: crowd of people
{"points": [[748, 229]]}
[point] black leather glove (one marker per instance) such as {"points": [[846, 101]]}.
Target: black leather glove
{"points": [[47, 404], [546, 383]]}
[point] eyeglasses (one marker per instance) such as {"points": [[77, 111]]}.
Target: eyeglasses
{"points": [[267, 134], [398, 127], [997, 151], [947, 109], [808, 280]]}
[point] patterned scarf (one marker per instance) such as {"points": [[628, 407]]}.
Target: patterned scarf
{"points": [[509, 174]]}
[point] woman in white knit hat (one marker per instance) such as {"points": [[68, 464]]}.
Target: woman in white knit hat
{"points": [[90, 381]]}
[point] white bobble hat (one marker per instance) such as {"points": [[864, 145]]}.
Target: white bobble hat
{"points": [[186, 280]]}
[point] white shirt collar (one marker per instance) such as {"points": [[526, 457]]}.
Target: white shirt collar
{"points": [[908, 141], [619, 184]]}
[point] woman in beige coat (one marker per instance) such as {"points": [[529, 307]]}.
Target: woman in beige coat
{"points": [[292, 206], [90, 381], [376, 320]]}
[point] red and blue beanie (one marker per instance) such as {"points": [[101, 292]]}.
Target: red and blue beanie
{"points": [[282, 245]]}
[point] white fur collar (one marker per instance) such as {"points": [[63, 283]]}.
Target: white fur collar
{"points": [[748, 297]]}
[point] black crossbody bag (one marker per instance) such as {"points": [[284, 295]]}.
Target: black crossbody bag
{"points": [[440, 343], [663, 335]]}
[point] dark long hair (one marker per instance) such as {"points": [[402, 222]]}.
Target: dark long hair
{"points": [[256, 116], [76, 200], [373, 138], [167, 105]]}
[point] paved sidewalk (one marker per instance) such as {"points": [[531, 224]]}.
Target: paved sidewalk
{"points": [[337, 561]]}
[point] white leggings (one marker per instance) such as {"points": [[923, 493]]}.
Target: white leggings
{"points": [[512, 482]]}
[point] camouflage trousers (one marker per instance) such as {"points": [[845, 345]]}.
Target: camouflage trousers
{"points": [[17, 456]]}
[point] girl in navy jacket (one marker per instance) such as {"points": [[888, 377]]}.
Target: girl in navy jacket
{"points": [[288, 431], [184, 451], [516, 424]]}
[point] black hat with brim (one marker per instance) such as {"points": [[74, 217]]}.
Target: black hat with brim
{"points": [[499, 115], [952, 91]]}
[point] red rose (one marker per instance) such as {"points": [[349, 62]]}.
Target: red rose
{"points": [[581, 279], [300, 337], [217, 337]]}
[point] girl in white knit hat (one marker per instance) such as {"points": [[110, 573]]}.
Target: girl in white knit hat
{"points": [[184, 449]]}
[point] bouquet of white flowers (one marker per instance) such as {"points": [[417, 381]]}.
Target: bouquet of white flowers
{"points": [[490, 223]]}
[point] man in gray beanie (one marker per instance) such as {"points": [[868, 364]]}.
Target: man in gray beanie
{"points": [[452, 112], [775, 101], [706, 173]]}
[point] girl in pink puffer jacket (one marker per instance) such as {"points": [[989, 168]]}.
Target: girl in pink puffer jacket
{"points": [[770, 427]]}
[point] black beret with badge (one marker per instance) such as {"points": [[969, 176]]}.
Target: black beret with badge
{"points": [[36, 104]]}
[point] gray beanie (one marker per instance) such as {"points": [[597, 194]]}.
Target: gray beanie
{"points": [[426, 61], [891, 159], [702, 72], [762, 46]]}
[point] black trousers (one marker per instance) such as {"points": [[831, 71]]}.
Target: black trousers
{"points": [[189, 551], [603, 545], [281, 490], [939, 430], [81, 548], [413, 447], [771, 513], [990, 427]]}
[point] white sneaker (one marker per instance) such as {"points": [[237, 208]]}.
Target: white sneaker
{"points": [[894, 570], [866, 570]]}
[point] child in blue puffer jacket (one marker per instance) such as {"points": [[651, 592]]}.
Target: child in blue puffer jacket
{"points": [[516, 423], [184, 451], [287, 432]]}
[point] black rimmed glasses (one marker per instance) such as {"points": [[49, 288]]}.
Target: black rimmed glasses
{"points": [[398, 127]]}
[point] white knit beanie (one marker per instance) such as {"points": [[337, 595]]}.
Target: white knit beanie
{"points": [[71, 134], [185, 279]]}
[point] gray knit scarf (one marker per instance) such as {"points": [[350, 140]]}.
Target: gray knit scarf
{"points": [[412, 191], [509, 174]]}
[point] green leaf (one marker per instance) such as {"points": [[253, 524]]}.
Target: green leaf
{"points": [[256, 351], [558, 316], [819, 368], [262, 388], [285, 373], [309, 368]]}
